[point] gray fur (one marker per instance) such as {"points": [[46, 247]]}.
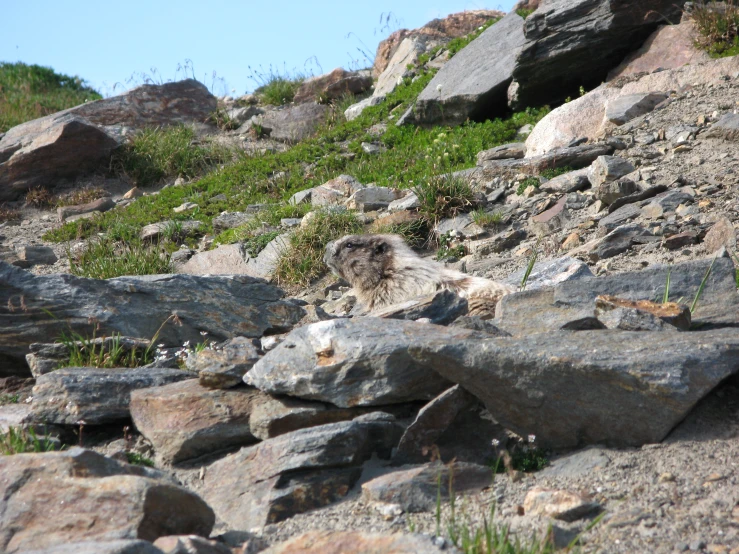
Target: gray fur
{"points": [[383, 270]]}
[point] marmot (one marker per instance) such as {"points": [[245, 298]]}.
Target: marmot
{"points": [[383, 270]]}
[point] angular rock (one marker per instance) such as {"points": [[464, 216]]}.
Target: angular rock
{"points": [[408, 202], [29, 256], [627, 107], [586, 461], [440, 308], [293, 123], [645, 194], [726, 128], [95, 396], [475, 81], [332, 85], [430, 423], [621, 239], [293, 473], [620, 216], [551, 220], [229, 220], [680, 240], [574, 43], [224, 367], [417, 489], [572, 181], [722, 233], [358, 542], [460, 224], [406, 54], [676, 315], [609, 192], [505, 240], [103, 499], [99, 205], [181, 229], [372, 198], [559, 504], [355, 110], [575, 157], [551, 273], [134, 306], [328, 361], [514, 150], [609, 168], [185, 420], [179, 544]]}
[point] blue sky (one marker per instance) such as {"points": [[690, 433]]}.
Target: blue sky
{"points": [[112, 44]]}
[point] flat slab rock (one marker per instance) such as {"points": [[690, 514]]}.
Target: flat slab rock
{"points": [[102, 547], [553, 384], [95, 396], [335, 361], [39, 308], [103, 499], [295, 472], [358, 542]]}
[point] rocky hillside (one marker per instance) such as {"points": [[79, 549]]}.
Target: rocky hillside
{"points": [[180, 371]]}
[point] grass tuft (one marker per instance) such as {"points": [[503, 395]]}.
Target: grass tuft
{"points": [[718, 27], [105, 258], [155, 154], [30, 91], [302, 261], [274, 86], [139, 460], [21, 441], [444, 196], [487, 219], [110, 353], [8, 214]]}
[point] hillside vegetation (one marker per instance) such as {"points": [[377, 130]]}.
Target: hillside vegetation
{"points": [[31, 91]]}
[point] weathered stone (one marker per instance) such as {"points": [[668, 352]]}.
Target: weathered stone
{"points": [[571, 181], [575, 157], [355, 110], [185, 420], [293, 123], [408, 202], [293, 473], [134, 306], [621, 216], [335, 191], [181, 229], [103, 499], [515, 150], [550, 273], [417, 489], [102, 547], [95, 396], [29, 256], [627, 107], [241, 114], [645, 194], [609, 192], [358, 542], [430, 423], [476, 323], [550, 220], [185, 207], [726, 128], [229, 220], [722, 233], [574, 43], [475, 81], [680, 240], [609, 168], [407, 53], [500, 242], [559, 504], [677, 315], [327, 361], [99, 205], [589, 460], [440, 308], [669, 47], [372, 198], [333, 85], [460, 224], [616, 242], [225, 365], [190, 544]]}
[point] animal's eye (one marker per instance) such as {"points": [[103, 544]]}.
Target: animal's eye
{"points": [[349, 245]]}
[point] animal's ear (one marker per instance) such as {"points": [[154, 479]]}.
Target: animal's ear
{"points": [[381, 248]]}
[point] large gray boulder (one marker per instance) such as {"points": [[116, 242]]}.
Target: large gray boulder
{"points": [[574, 43], [80, 139], [338, 362], [293, 123], [40, 308], [474, 83], [61, 497]]}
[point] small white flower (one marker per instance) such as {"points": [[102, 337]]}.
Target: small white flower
{"points": [[186, 344], [532, 438], [160, 345], [203, 333], [496, 443], [439, 87]]}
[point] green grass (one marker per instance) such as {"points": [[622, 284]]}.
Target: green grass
{"points": [[555, 172], [415, 232], [156, 154], [443, 196], [21, 441], [271, 216], [446, 250], [84, 352], [255, 245], [524, 12], [274, 86], [137, 459], [31, 91], [455, 45], [718, 27], [104, 258], [302, 261], [526, 183], [9, 399], [486, 219]]}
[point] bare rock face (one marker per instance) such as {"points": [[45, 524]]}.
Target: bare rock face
{"points": [[333, 85], [102, 499], [38, 309], [293, 123], [573, 43], [80, 139], [452, 26], [358, 542]]}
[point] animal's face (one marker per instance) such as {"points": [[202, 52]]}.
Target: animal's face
{"points": [[359, 258]]}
